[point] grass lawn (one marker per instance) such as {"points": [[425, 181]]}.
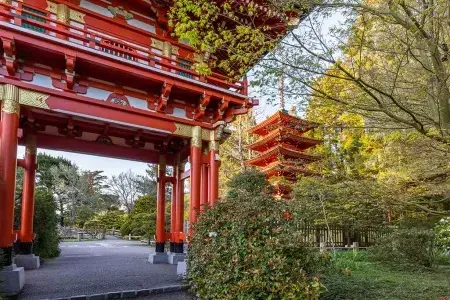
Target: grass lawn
{"points": [[365, 279]]}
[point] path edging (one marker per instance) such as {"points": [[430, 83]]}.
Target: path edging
{"points": [[131, 293]]}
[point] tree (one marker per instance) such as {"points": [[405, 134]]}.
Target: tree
{"points": [[387, 60], [141, 221], [234, 152], [125, 187], [78, 194], [147, 183], [44, 175]]}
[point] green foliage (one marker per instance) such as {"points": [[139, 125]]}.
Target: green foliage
{"points": [[45, 225], [142, 219], [251, 181], [442, 231], [246, 247], [46, 162], [409, 245], [229, 31], [343, 202]]}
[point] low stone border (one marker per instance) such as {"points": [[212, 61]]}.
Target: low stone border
{"points": [[132, 293]]}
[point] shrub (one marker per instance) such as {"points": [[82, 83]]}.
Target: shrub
{"points": [[45, 225], [247, 247], [413, 245]]}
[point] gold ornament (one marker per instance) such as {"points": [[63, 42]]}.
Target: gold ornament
{"points": [[77, 16], [63, 13], [52, 7], [167, 49], [10, 96], [157, 44], [183, 130], [196, 140], [214, 145], [34, 99]]}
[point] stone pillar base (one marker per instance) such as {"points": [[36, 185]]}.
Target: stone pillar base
{"points": [[175, 258], [12, 280], [182, 269], [158, 258], [28, 262]]}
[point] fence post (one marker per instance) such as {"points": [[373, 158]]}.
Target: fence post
{"points": [[323, 247], [129, 237], [355, 247]]}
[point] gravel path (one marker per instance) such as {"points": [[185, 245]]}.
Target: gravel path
{"points": [[87, 268]]}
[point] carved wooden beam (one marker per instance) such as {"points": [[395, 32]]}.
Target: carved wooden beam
{"points": [[200, 111], [164, 97]]}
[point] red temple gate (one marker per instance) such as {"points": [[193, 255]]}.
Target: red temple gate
{"points": [[88, 77]]}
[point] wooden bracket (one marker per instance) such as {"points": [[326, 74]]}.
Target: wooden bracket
{"points": [[201, 109], [70, 71], [164, 97], [9, 48], [221, 110]]}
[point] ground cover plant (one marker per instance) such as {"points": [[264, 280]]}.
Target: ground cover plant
{"points": [[358, 276]]}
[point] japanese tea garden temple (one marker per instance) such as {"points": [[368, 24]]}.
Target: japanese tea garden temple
{"points": [[281, 149], [106, 78]]}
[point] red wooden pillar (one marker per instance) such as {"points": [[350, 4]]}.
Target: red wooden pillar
{"points": [[173, 212], [26, 222], [8, 155], [214, 171], [179, 222], [196, 161], [204, 197], [161, 205]]}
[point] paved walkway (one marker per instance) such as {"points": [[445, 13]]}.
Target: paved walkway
{"points": [[87, 268]]}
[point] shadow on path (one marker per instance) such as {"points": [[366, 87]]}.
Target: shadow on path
{"points": [[87, 268]]}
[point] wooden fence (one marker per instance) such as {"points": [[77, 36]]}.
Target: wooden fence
{"points": [[342, 236]]}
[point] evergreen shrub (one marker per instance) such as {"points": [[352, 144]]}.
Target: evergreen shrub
{"points": [[46, 244], [248, 247], [408, 245]]}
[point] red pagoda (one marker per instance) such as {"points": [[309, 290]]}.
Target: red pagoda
{"points": [[281, 149]]}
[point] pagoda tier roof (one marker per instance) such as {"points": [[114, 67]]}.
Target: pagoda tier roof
{"points": [[288, 170], [282, 119], [284, 135], [282, 152]]}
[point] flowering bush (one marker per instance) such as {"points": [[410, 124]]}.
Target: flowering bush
{"points": [[442, 231], [246, 248]]}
